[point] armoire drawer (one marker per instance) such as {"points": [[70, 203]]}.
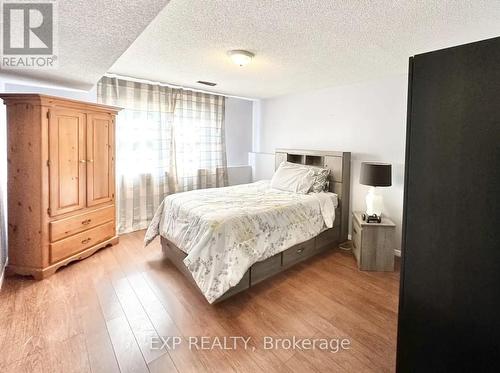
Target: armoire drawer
{"points": [[67, 227], [299, 252], [81, 241]]}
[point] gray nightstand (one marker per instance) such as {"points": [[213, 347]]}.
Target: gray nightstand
{"points": [[373, 243]]}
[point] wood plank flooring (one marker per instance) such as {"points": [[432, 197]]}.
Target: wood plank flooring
{"points": [[102, 314]]}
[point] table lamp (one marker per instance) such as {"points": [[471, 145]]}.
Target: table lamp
{"points": [[375, 175]]}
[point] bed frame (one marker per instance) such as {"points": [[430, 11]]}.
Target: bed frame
{"points": [[339, 164]]}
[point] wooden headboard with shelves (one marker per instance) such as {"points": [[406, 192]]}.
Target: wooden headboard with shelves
{"points": [[339, 164]]}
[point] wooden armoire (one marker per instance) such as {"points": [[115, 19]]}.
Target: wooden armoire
{"points": [[61, 188]]}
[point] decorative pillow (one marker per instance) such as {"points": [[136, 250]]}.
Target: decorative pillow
{"points": [[320, 175], [320, 180], [293, 179]]}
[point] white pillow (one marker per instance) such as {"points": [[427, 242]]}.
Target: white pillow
{"points": [[320, 175], [292, 179]]}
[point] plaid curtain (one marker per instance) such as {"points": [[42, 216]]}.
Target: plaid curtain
{"points": [[168, 140]]}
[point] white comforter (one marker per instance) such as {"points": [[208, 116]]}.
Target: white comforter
{"points": [[224, 231]]}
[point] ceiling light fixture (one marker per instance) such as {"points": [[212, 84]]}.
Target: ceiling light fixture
{"points": [[241, 57]]}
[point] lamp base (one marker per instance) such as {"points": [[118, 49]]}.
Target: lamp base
{"points": [[374, 202]]}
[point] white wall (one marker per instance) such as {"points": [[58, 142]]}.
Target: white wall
{"points": [[367, 119], [238, 123], [239, 126], [262, 165], [14, 84]]}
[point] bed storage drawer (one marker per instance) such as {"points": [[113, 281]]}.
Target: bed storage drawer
{"points": [[79, 242], [176, 256], [299, 252], [242, 285], [328, 238], [66, 227], [262, 270]]}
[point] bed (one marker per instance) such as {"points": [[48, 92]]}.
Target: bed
{"points": [[226, 240]]}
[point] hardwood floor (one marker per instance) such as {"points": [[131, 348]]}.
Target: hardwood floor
{"points": [[102, 314]]}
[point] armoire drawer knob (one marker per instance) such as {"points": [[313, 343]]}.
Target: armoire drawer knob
{"points": [[87, 240], [86, 222]]}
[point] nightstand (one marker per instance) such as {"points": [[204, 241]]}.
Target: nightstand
{"points": [[373, 244]]}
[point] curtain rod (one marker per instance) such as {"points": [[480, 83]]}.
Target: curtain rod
{"points": [[138, 80]]}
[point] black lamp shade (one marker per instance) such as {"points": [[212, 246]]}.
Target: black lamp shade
{"points": [[376, 174]]}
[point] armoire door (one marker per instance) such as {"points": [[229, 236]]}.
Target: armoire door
{"points": [[100, 158], [66, 161], [449, 313]]}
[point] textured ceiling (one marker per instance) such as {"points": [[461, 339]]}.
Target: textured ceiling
{"points": [[92, 35], [299, 45]]}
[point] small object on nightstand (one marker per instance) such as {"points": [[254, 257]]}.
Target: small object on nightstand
{"points": [[373, 244], [372, 218]]}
